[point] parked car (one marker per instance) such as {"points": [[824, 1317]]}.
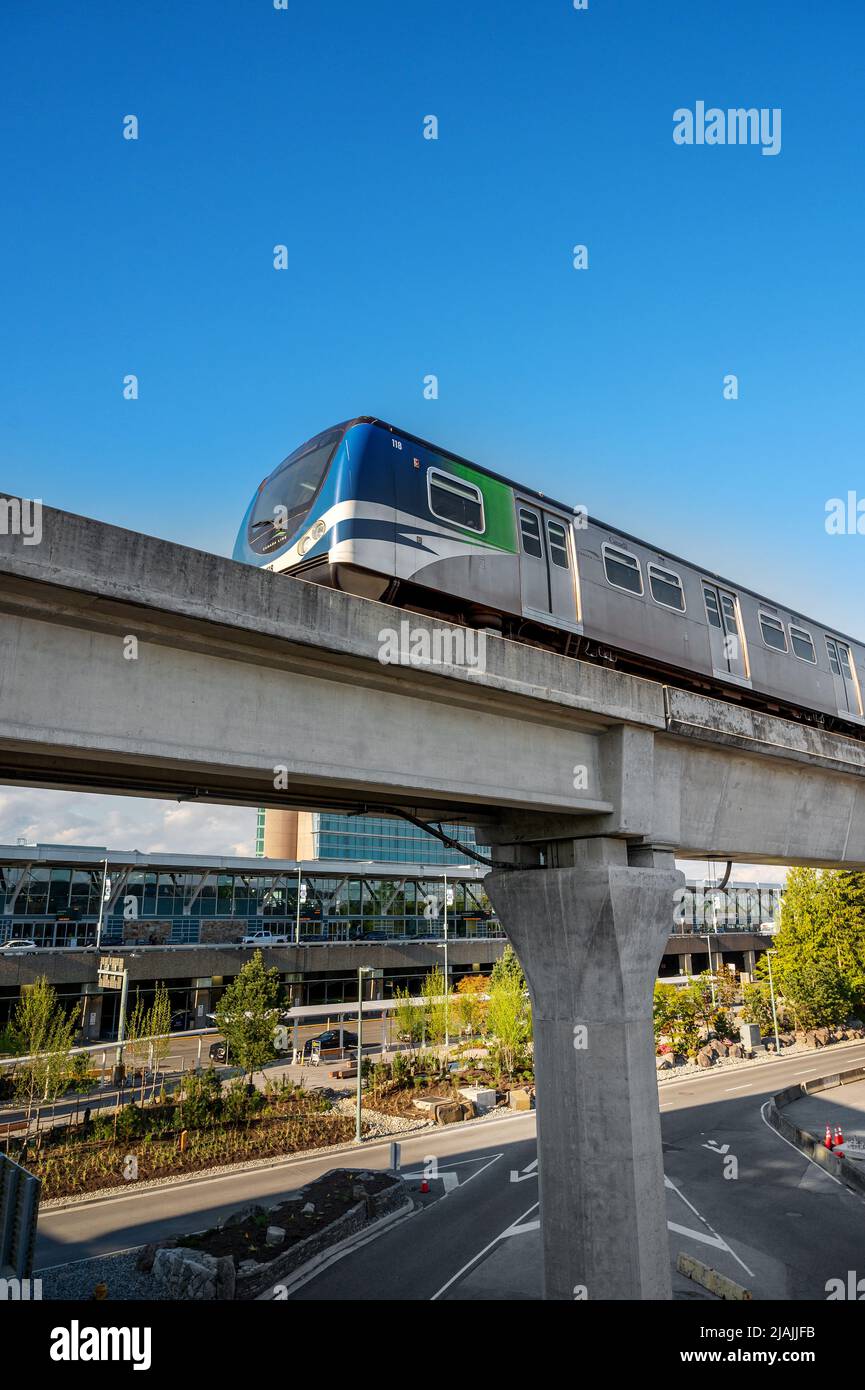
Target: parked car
{"points": [[181, 1021], [331, 1038], [218, 1051], [19, 945], [264, 938]]}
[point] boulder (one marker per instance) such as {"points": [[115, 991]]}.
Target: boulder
{"points": [[824, 1036], [705, 1058], [448, 1112], [147, 1253], [664, 1063], [736, 1050], [274, 1235], [192, 1275]]}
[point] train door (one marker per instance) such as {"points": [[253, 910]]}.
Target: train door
{"points": [[843, 674], [546, 565], [729, 656]]}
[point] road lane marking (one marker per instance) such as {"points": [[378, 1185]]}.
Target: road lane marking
{"points": [[668, 1182], [718, 1241], [509, 1230]]}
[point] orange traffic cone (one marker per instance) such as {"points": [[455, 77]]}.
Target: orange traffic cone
{"points": [[827, 1138], [839, 1137]]}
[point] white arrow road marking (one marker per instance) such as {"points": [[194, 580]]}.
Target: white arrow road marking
{"points": [[448, 1178], [530, 1171]]}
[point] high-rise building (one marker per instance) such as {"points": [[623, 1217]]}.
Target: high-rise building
{"points": [[322, 835]]}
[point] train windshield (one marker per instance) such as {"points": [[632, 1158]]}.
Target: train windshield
{"points": [[287, 495]]}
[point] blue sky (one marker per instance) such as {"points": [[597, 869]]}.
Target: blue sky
{"points": [[410, 256]]}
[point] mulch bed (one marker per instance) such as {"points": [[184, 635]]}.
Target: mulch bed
{"points": [[331, 1195]]}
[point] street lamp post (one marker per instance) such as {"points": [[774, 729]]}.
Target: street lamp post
{"points": [[447, 976], [102, 903], [769, 955], [361, 971], [297, 919]]}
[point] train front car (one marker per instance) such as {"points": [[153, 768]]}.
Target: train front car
{"points": [[306, 514]]}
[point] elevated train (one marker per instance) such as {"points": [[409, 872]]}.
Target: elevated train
{"points": [[375, 511]]}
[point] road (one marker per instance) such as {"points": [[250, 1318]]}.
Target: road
{"points": [[778, 1224]]}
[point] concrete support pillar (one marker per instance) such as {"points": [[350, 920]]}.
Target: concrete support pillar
{"points": [[590, 936], [750, 961], [687, 964]]}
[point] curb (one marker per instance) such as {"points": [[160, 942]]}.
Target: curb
{"points": [[322, 1261], [840, 1168], [710, 1279]]}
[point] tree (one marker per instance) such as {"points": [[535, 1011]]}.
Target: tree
{"points": [[470, 1005], [818, 963], [159, 1027], [43, 1030], [508, 1014], [507, 967], [437, 1005], [246, 1015], [409, 1018]]}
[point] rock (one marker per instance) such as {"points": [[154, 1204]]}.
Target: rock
{"points": [[307, 1209], [448, 1112], [147, 1254], [736, 1050], [856, 1023], [275, 1235], [192, 1275], [663, 1064], [246, 1266], [824, 1036], [705, 1058]]}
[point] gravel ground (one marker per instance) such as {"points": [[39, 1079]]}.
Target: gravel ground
{"points": [[76, 1282]]}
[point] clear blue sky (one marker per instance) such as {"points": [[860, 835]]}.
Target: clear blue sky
{"points": [[453, 257]]}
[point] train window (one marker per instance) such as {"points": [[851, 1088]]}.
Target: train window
{"points": [[773, 632], [728, 608], [802, 644], [623, 570], [834, 664], [530, 530], [666, 588], [451, 499], [712, 610], [558, 542], [844, 658]]}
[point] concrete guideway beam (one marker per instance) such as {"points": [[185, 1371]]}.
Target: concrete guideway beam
{"points": [[590, 938]]}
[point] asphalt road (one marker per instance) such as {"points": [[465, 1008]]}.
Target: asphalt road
{"points": [[777, 1224]]}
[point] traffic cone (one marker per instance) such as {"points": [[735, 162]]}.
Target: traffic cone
{"points": [[827, 1138], [839, 1137]]}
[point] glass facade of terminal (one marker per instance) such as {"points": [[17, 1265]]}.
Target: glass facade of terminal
{"points": [[387, 840], [52, 905]]}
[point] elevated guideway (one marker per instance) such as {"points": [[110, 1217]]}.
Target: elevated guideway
{"points": [[130, 664]]}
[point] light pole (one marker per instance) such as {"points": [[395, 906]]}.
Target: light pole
{"points": [[300, 896], [769, 955], [447, 976], [361, 971], [102, 903]]}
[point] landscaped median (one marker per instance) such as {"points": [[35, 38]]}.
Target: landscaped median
{"points": [[261, 1251]]}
